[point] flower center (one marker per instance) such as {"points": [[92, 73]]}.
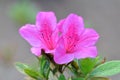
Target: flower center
{"points": [[71, 42], [47, 39]]}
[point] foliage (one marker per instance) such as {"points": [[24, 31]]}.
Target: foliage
{"points": [[86, 69]]}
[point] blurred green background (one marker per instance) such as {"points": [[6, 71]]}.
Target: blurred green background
{"points": [[102, 15]]}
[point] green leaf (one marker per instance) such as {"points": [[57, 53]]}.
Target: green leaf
{"points": [[99, 78], [42, 61], [25, 69], [51, 76], [78, 79], [86, 65], [33, 74], [44, 66], [21, 67], [107, 69], [62, 77]]}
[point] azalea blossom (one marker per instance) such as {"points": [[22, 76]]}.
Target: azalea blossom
{"points": [[75, 41], [43, 34]]}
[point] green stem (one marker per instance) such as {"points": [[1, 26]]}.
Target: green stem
{"points": [[75, 65], [87, 77], [65, 67]]}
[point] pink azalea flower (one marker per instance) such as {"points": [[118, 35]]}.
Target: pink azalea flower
{"points": [[42, 35], [76, 41]]}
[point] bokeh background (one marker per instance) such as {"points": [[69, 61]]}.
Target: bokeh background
{"points": [[102, 15]]}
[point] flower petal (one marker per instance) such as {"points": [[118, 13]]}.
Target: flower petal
{"points": [[64, 58], [73, 24], [30, 34], [46, 21], [89, 37], [60, 55], [36, 51], [72, 28], [55, 37], [85, 52]]}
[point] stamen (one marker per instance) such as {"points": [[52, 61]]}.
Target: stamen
{"points": [[46, 38], [72, 41]]}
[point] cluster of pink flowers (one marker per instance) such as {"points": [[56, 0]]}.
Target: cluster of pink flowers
{"points": [[66, 41]]}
